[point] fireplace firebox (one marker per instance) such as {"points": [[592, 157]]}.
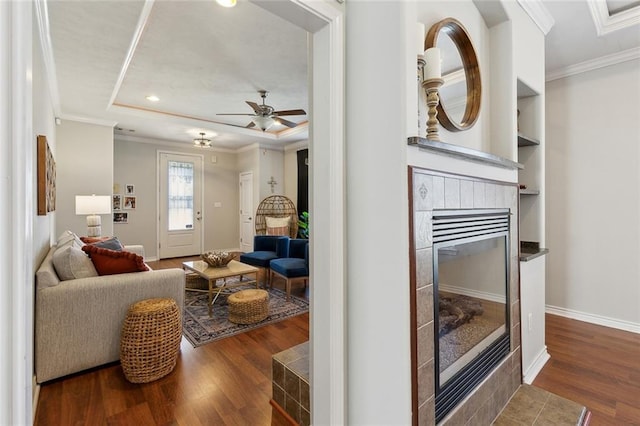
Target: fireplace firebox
{"points": [[471, 300]]}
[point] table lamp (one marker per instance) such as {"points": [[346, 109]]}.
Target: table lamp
{"points": [[93, 205]]}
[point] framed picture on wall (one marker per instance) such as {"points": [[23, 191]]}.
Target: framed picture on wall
{"points": [[117, 202], [129, 189], [46, 177], [129, 202], [120, 217]]}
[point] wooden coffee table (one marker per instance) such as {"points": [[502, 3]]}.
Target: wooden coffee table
{"points": [[233, 269]]}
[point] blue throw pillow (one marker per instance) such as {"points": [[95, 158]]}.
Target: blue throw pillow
{"points": [[112, 243]]}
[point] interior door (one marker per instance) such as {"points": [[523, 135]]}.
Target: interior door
{"points": [[246, 212], [180, 205]]}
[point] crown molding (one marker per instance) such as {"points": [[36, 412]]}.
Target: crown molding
{"points": [[606, 23], [539, 13], [42, 17], [88, 120], [594, 64]]}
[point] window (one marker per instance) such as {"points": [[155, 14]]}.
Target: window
{"points": [[180, 195]]}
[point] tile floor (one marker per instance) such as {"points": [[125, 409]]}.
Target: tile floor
{"points": [[534, 406]]}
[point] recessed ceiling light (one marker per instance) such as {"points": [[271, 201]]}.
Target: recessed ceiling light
{"points": [[152, 98], [227, 3]]}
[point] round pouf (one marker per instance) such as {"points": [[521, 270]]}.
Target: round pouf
{"points": [[248, 306], [150, 340]]}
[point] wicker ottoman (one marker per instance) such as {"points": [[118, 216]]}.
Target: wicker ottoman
{"points": [[150, 340], [248, 306]]}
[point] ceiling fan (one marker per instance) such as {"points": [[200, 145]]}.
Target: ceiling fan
{"points": [[265, 116]]}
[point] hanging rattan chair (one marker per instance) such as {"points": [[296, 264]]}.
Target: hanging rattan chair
{"points": [[276, 206]]}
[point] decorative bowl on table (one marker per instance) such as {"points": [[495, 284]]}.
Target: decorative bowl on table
{"points": [[217, 259]]}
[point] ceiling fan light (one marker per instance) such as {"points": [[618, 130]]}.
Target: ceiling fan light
{"points": [[227, 3], [264, 123]]}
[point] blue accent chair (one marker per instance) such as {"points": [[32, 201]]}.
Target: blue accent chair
{"points": [[293, 267], [265, 249]]}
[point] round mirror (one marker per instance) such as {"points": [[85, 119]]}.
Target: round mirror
{"points": [[461, 92]]}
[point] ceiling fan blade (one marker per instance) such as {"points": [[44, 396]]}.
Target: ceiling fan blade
{"points": [[254, 105], [250, 125], [285, 122], [249, 115], [290, 112]]}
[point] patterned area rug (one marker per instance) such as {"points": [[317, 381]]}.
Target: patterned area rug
{"points": [[199, 329]]}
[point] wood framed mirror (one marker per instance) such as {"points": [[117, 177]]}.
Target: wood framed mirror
{"points": [[461, 93]]}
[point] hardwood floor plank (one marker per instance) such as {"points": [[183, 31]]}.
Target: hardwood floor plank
{"points": [[595, 366]]}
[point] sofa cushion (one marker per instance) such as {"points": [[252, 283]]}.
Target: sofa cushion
{"points": [[91, 240], [278, 225], [290, 267], [112, 243], [70, 263], [109, 262], [258, 258]]}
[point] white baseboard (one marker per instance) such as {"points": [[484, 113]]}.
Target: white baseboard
{"points": [[594, 319], [150, 259], [536, 366]]}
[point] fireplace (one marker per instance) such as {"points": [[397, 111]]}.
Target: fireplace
{"points": [[471, 309], [459, 226]]}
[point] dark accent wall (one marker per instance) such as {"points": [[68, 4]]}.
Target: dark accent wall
{"points": [[303, 181]]}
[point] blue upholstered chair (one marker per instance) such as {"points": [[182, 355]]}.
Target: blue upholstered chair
{"points": [[265, 249], [293, 267]]}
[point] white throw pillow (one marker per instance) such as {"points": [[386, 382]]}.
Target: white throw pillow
{"points": [[68, 237], [278, 225], [71, 263]]}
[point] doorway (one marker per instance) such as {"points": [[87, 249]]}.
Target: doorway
{"points": [[179, 205], [246, 212]]}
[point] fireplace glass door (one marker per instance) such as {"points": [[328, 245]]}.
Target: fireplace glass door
{"points": [[471, 270]]}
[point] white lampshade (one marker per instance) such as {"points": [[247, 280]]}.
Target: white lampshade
{"points": [[93, 205], [264, 123]]}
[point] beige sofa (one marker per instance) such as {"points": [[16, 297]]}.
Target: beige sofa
{"points": [[78, 321]]}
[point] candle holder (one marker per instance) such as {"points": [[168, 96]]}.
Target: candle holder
{"points": [[421, 65], [431, 86]]}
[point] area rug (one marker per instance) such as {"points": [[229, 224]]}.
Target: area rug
{"points": [[199, 329]]}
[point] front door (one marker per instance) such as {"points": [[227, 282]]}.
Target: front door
{"points": [[180, 206], [246, 212]]}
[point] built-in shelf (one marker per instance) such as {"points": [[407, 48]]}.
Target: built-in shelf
{"points": [[529, 250], [463, 152], [527, 256], [529, 192], [527, 141]]}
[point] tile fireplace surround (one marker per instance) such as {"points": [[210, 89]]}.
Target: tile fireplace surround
{"points": [[435, 190]]}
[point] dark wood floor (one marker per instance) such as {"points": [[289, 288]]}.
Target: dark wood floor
{"points": [[596, 366], [227, 382]]}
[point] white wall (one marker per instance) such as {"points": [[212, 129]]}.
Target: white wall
{"points": [[593, 194], [271, 165], [43, 124], [84, 166], [249, 161], [378, 40], [136, 163], [17, 151], [430, 13]]}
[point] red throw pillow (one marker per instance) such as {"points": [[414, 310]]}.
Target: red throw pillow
{"points": [[109, 262], [91, 240]]}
